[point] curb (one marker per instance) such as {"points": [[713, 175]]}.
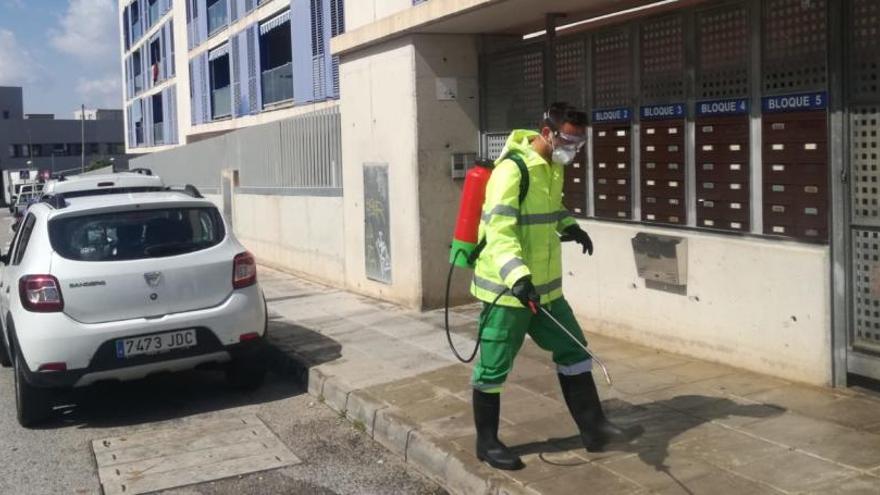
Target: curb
{"points": [[440, 461]]}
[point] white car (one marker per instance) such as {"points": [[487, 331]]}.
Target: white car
{"points": [[93, 185], [117, 287]]}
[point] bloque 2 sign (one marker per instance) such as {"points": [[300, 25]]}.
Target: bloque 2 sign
{"points": [[612, 115]]}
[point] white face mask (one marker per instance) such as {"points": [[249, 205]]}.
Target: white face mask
{"points": [[564, 155]]}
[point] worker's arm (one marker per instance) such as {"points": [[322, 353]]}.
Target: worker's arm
{"points": [[500, 217]]}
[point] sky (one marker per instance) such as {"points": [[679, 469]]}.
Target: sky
{"points": [[63, 52]]}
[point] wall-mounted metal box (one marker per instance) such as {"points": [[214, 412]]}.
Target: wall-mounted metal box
{"points": [[661, 260]]}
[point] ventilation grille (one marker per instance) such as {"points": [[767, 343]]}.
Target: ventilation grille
{"points": [[864, 78], [723, 53], [514, 90], [663, 60], [612, 83], [866, 258], [864, 165], [795, 45], [571, 74]]}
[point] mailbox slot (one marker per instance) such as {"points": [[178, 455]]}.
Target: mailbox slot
{"points": [[612, 171], [722, 172], [663, 172]]}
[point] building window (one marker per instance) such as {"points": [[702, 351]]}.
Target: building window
{"points": [[13, 152], [74, 149], [158, 120], [155, 60], [116, 148], [5, 114], [137, 117], [221, 94], [276, 60], [37, 150], [137, 71], [153, 8], [135, 14], [218, 17], [59, 149]]}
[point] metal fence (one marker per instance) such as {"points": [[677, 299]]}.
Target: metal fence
{"points": [[300, 156]]}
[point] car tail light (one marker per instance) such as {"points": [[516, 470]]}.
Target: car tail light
{"points": [[245, 337], [40, 293], [244, 271], [50, 367]]}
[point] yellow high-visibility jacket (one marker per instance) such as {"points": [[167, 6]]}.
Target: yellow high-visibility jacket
{"points": [[521, 239]]}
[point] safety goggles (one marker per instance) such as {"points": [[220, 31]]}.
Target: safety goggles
{"points": [[569, 140]]}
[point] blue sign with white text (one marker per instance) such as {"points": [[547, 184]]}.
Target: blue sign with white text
{"points": [[723, 107], [671, 111], [612, 115], [795, 103]]}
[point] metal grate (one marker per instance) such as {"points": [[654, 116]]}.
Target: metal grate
{"points": [[723, 53], [864, 165], [866, 257], [571, 73], [494, 145], [795, 45], [864, 77], [663, 60], [612, 55], [514, 89]]}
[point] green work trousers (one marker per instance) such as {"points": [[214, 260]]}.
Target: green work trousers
{"points": [[505, 328]]}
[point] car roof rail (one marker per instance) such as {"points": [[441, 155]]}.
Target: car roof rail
{"points": [[142, 171], [188, 189], [56, 201]]}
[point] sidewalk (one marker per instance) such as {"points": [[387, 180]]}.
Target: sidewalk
{"points": [[708, 428]]}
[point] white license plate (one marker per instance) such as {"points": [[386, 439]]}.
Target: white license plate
{"points": [[155, 344]]}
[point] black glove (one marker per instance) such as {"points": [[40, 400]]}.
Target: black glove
{"points": [[576, 234], [525, 291]]}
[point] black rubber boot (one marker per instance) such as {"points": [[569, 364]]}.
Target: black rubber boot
{"points": [[586, 409], [487, 409]]}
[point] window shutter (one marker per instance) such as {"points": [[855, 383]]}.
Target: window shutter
{"points": [[249, 5], [233, 10], [254, 75], [172, 69], [301, 36], [172, 115], [202, 24], [239, 91], [195, 92], [206, 87], [148, 120]]}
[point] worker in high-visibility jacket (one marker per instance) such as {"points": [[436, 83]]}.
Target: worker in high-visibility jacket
{"points": [[521, 266]]}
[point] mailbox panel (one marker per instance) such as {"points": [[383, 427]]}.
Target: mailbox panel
{"points": [[574, 187], [612, 174], [722, 172], [663, 171], [795, 155]]}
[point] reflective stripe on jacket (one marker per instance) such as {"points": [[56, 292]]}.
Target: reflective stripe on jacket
{"points": [[521, 239]]}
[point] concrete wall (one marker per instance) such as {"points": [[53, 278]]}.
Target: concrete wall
{"points": [[361, 12], [378, 108], [444, 127], [754, 304], [300, 234]]}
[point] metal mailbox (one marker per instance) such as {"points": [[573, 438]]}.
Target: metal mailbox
{"points": [[663, 172], [574, 189], [612, 175], [661, 259], [795, 155], [722, 172]]}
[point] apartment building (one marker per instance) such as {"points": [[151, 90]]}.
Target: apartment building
{"points": [[40, 141], [194, 69]]}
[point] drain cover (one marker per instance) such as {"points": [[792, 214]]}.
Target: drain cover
{"points": [[189, 452]]}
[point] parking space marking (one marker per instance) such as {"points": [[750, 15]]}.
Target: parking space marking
{"points": [[189, 452]]}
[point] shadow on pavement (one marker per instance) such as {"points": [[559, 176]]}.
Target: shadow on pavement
{"points": [[662, 421], [290, 351]]}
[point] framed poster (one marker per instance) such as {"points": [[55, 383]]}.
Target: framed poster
{"points": [[377, 236]]}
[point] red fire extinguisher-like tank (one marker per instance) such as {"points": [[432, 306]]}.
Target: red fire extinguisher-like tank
{"points": [[467, 226]]}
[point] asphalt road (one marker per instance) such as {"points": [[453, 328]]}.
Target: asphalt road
{"points": [[57, 458]]}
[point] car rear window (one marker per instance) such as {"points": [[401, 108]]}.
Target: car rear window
{"points": [[138, 234]]}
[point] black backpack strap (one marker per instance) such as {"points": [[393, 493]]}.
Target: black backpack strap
{"points": [[523, 191], [524, 176]]}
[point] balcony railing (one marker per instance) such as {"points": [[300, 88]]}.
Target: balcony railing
{"points": [[217, 16], [221, 102], [277, 84], [158, 133]]}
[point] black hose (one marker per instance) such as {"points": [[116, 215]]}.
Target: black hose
{"points": [[481, 320]]}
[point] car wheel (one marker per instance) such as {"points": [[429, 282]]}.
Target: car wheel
{"points": [[246, 373], [32, 404]]}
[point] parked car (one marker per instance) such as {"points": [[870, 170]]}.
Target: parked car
{"points": [[117, 287], [22, 202]]}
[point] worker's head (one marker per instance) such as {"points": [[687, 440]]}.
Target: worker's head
{"points": [[563, 132]]}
